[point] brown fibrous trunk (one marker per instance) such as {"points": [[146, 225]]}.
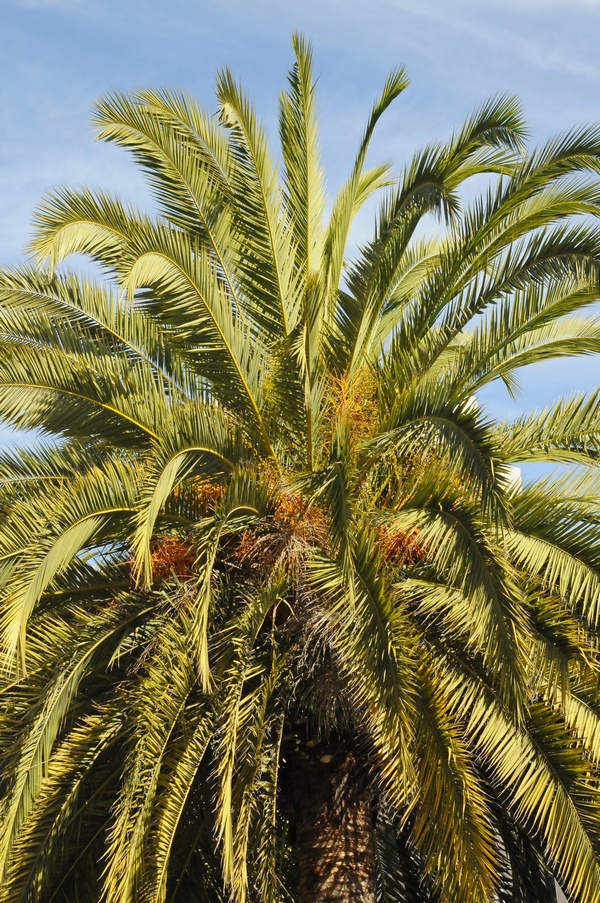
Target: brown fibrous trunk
{"points": [[331, 815]]}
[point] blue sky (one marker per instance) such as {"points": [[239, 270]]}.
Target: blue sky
{"points": [[58, 56]]}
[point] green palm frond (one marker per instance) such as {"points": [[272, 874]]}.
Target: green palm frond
{"points": [[371, 632], [169, 680], [60, 828], [202, 443], [31, 760], [546, 785], [182, 151], [265, 266], [453, 813], [560, 551], [567, 432], [356, 191], [85, 222], [93, 510], [303, 179]]}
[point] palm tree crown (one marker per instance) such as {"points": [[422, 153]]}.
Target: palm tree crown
{"points": [[277, 620]]}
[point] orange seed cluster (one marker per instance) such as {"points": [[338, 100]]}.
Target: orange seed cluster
{"points": [[171, 557], [399, 546]]}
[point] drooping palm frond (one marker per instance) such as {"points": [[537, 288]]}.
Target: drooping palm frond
{"points": [[169, 680]]}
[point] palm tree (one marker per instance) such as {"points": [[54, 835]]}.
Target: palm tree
{"points": [[278, 621]]}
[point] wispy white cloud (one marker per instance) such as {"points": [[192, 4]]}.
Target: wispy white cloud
{"points": [[513, 35], [537, 5], [63, 6]]}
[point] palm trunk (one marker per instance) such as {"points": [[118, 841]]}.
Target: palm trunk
{"points": [[331, 820]]}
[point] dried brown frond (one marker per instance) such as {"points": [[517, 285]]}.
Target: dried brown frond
{"points": [[282, 539], [268, 553]]}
